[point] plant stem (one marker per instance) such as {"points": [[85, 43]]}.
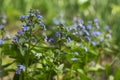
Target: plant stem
{"points": [[71, 73], [27, 55], [1, 76], [58, 77]]}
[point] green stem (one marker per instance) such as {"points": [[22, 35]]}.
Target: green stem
{"points": [[71, 72], [58, 77], [27, 56], [1, 76], [20, 77]]}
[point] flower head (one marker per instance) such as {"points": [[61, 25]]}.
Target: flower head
{"points": [[20, 68], [95, 20], [94, 43], [15, 39], [95, 33], [55, 21], [23, 17], [101, 39], [18, 71], [73, 59], [39, 16], [57, 34], [68, 40], [1, 42], [19, 32], [25, 28], [1, 26]]}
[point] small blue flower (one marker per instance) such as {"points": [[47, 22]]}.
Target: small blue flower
{"points": [[86, 32], [15, 39], [19, 32], [73, 59], [101, 39], [95, 20], [55, 21], [23, 17], [1, 26], [68, 40], [25, 28], [57, 34], [81, 26], [95, 33], [39, 16], [1, 42], [18, 71], [94, 43], [31, 14], [89, 26], [21, 67]]}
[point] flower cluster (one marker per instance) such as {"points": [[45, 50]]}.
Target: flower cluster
{"points": [[19, 69]]}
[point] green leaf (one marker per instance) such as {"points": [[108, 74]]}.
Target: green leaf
{"points": [[83, 76], [6, 65], [117, 75]]}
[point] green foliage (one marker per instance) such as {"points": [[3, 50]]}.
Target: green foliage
{"points": [[61, 57]]}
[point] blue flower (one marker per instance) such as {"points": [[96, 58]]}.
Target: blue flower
{"points": [[39, 16], [95, 33], [31, 14], [86, 32], [95, 20], [57, 34], [89, 26], [55, 21], [22, 17], [21, 67], [15, 39], [81, 26], [73, 59], [101, 39], [1, 42], [25, 28], [19, 32], [68, 40], [93, 43], [18, 71], [1, 26]]}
